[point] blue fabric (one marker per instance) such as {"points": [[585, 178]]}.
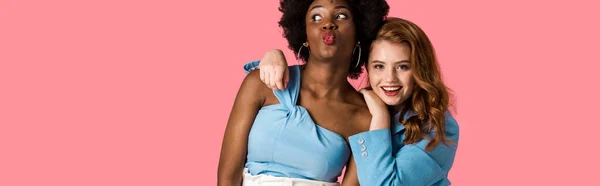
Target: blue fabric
{"points": [[284, 141], [383, 159]]}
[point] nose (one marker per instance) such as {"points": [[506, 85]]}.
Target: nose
{"points": [[390, 75], [329, 26]]}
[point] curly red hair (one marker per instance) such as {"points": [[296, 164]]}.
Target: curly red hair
{"points": [[430, 98]]}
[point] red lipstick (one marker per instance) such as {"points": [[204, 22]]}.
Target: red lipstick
{"points": [[328, 38]]}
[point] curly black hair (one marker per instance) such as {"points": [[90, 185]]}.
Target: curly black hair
{"points": [[368, 18]]}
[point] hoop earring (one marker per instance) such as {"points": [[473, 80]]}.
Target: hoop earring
{"points": [[300, 50], [359, 53]]}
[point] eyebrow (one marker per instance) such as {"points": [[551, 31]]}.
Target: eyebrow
{"points": [[336, 7], [401, 61], [341, 6]]}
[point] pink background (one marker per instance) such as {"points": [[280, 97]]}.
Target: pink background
{"points": [[125, 92]]}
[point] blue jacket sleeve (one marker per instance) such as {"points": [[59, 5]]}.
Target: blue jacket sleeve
{"points": [[377, 164], [250, 66]]}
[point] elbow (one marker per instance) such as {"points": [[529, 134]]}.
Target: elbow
{"points": [[225, 183], [231, 179], [228, 182]]}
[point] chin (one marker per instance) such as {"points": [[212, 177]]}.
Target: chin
{"points": [[391, 102], [328, 54]]}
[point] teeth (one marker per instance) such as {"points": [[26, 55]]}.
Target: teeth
{"points": [[391, 88]]}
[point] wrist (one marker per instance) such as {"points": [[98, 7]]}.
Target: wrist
{"points": [[380, 115], [379, 122]]}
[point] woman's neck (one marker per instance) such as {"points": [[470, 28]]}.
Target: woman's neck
{"points": [[396, 109], [325, 79]]}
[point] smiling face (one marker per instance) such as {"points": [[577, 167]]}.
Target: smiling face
{"points": [[330, 30], [390, 72]]}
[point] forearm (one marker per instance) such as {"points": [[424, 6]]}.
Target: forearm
{"points": [[377, 165], [380, 121]]}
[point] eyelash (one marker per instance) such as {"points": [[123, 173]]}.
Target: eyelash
{"points": [[345, 16], [313, 17], [400, 67]]}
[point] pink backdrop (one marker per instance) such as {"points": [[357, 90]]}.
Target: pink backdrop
{"points": [[125, 92]]}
